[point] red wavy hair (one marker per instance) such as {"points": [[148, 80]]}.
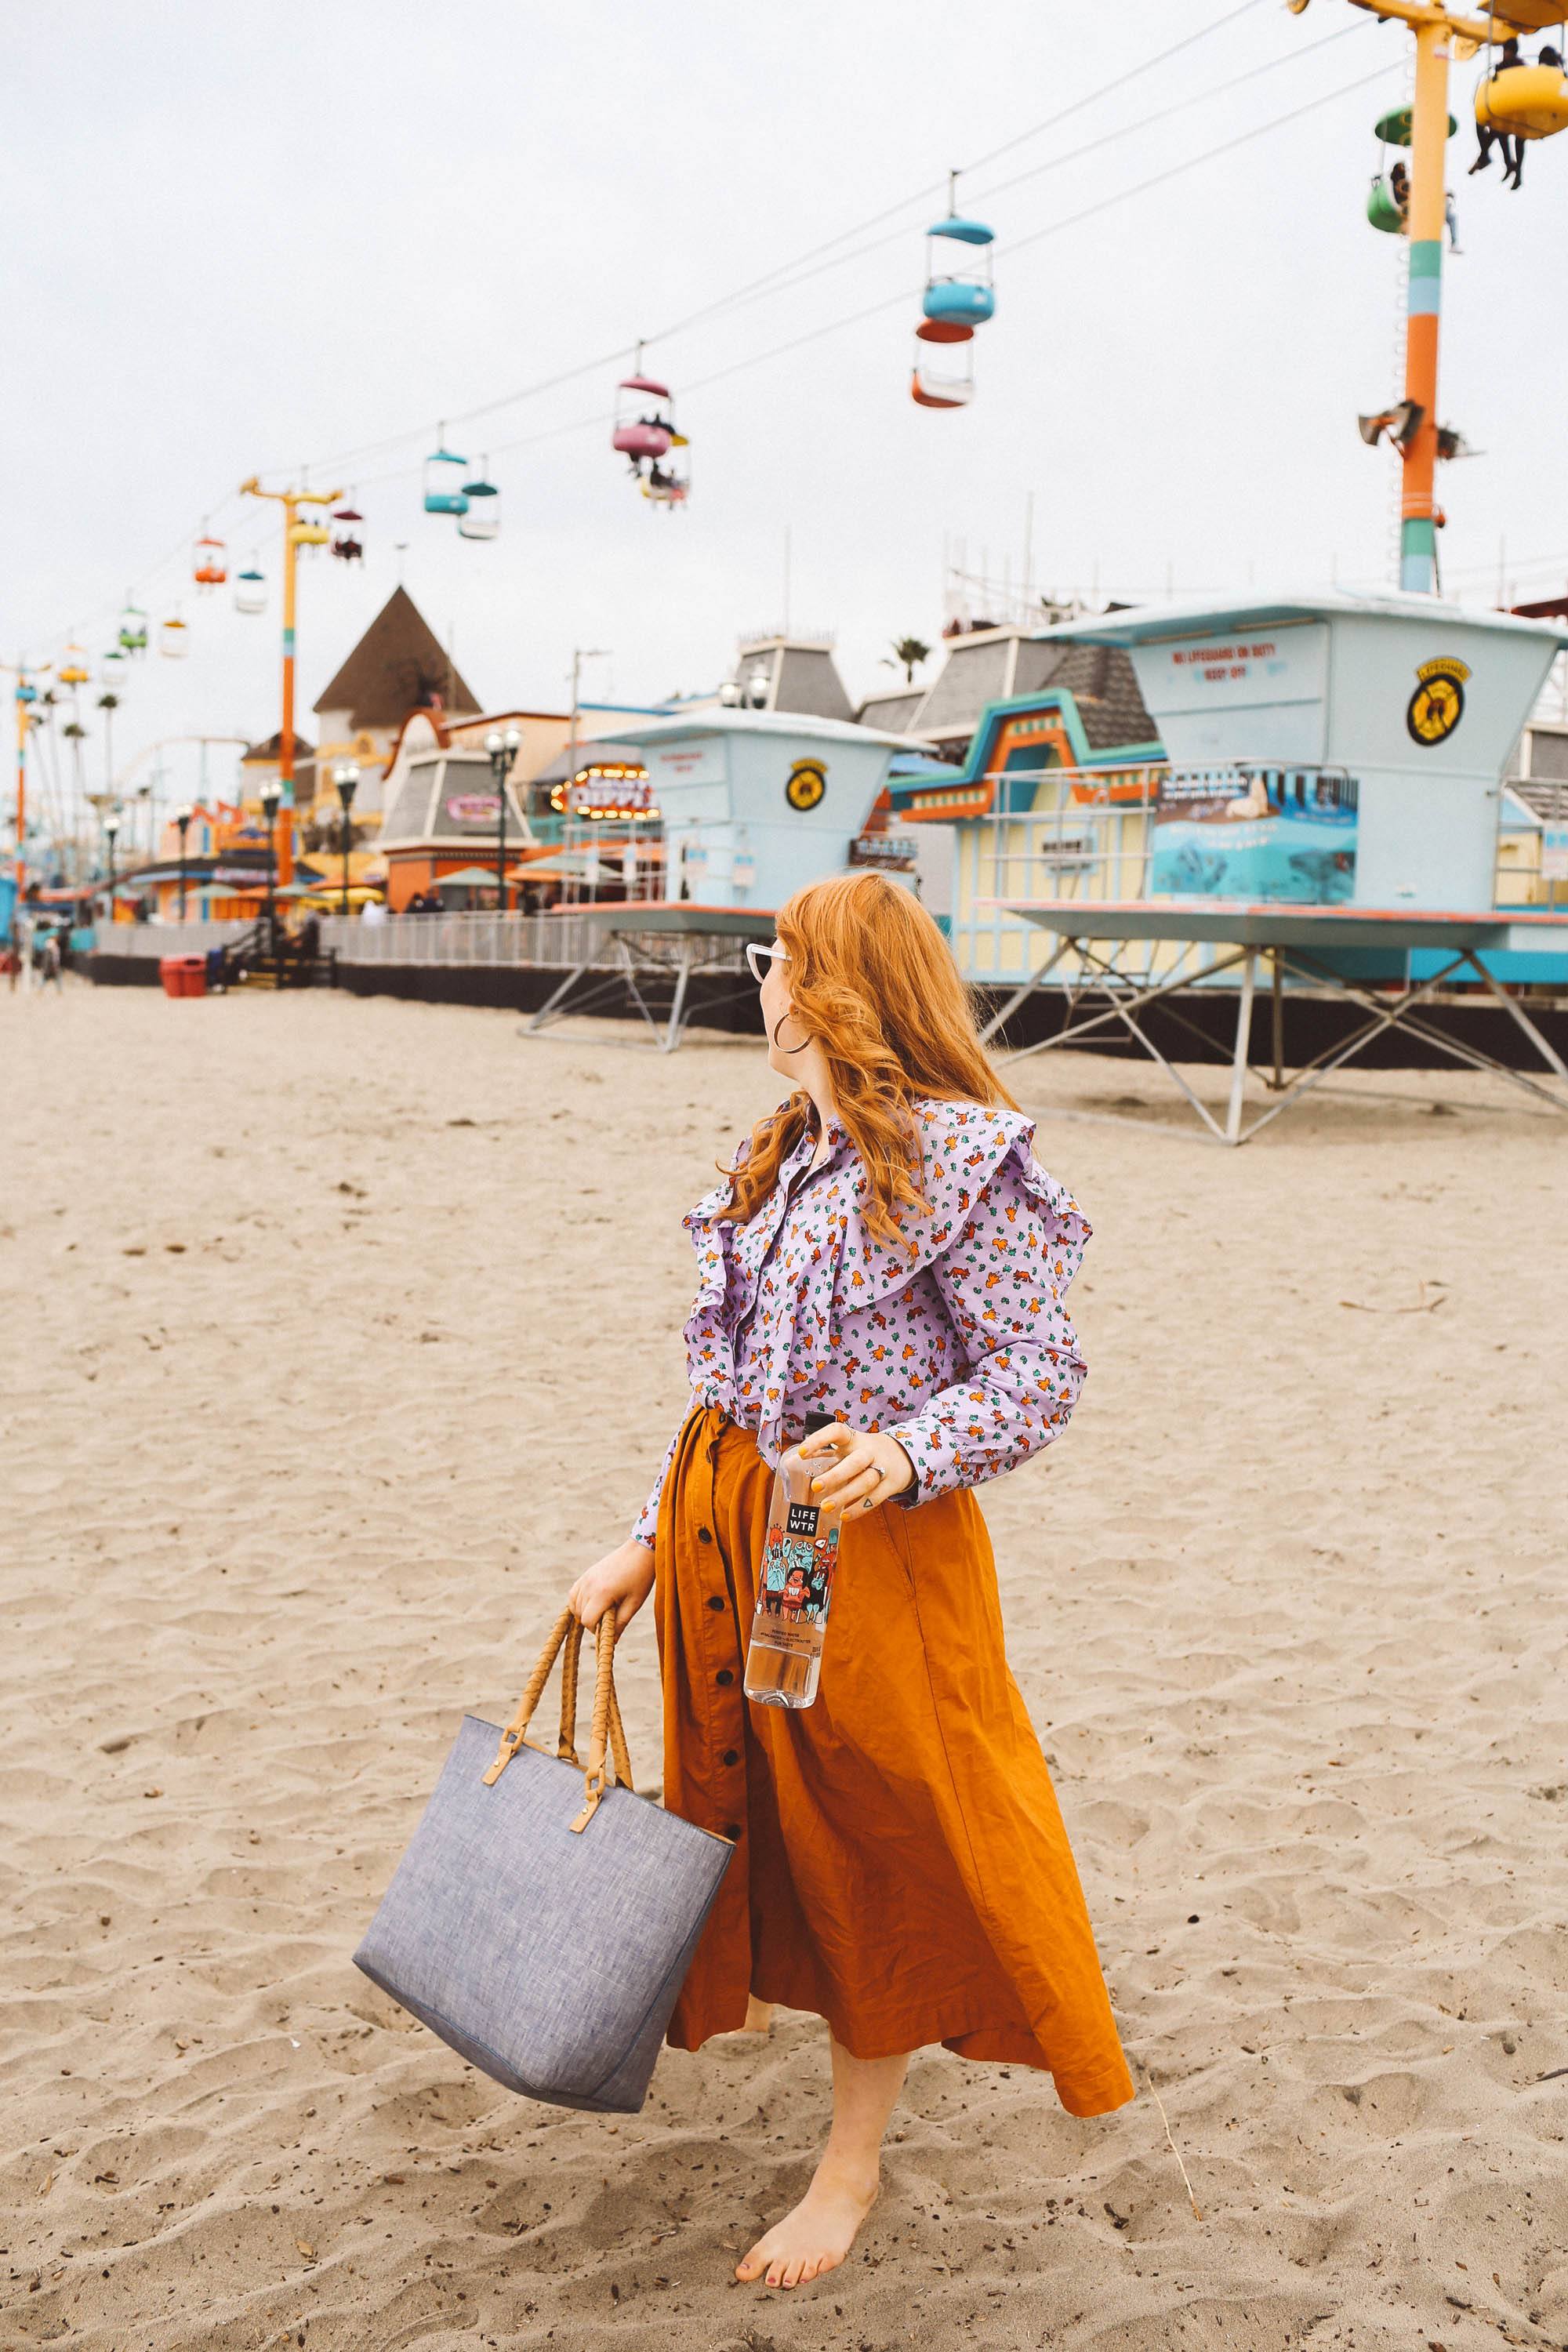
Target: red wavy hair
{"points": [[872, 980]]}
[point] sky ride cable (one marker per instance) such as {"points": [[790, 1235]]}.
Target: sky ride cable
{"points": [[755, 288], [768, 282], [1015, 245], [1094, 147]]}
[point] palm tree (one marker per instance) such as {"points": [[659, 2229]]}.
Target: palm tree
{"points": [[108, 704], [75, 734], [907, 654]]}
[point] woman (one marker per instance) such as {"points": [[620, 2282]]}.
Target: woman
{"points": [[883, 1250]]}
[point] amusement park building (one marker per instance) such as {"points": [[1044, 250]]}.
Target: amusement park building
{"points": [[398, 665]]}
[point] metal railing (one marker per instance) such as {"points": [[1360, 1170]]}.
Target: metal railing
{"points": [[1087, 837], [156, 939], [558, 942]]}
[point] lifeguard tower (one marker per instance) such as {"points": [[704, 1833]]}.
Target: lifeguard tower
{"points": [[1331, 804], [754, 804]]}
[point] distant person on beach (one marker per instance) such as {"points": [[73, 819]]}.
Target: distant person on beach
{"points": [[884, 1249]]}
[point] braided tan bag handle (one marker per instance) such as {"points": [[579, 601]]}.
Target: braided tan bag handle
{"points": [[606, 1728]]}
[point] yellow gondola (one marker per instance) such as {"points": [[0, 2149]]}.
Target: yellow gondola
{"points": [[1525, 101]]}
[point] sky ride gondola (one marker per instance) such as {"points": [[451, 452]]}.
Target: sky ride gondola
{"points": [[482, 520], [210, 567], [1523, 101], [73, 670], [173, 638], [133, 629], [934, 385], [1384, 209], [347, 546], [663, 485], [958, 288], [444, 472], [644, 429], [250, 590]]}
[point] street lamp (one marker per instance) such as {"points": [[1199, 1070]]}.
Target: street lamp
{"points": [[182, 819], [345, 775], [271, 797], [110, 828], [503, 750]]}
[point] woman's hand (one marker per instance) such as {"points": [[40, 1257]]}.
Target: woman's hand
{"points": [[868, 1471], [622, 1581]]}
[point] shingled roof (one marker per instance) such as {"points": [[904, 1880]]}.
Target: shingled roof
{"points": [[1101, 681], [398, 665], [985, 666]]}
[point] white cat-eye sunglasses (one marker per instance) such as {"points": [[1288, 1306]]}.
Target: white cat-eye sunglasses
{"points": [[758, 958]]}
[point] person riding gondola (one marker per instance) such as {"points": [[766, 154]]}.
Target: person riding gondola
{"points": [[1512, 149]]}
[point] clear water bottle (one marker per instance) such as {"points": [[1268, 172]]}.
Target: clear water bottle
{"points": [[794, 1581]]}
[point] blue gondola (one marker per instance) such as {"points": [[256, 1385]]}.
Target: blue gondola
{"points": [[958, 290], [444, 472]]}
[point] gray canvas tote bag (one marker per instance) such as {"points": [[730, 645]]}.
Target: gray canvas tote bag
{"points": [[544, 1915]]}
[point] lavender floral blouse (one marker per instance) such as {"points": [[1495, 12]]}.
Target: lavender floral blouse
{"points": [[960, 1347]]}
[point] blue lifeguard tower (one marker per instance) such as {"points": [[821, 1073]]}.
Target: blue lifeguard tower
{"points": [[1331, 804], [754, 804]]}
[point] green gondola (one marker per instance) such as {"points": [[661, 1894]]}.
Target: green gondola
{"points": [[1383, 206]]}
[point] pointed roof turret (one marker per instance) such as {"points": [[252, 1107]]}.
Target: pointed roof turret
{"points": [[398, 665]]}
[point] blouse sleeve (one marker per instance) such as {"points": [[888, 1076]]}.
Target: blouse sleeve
{"points": [[648, 1518], [1002, 1280], [711, 1293]]}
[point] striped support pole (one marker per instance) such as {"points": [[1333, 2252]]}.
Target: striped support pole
{"points": [[1429, 132], [285, 737]]}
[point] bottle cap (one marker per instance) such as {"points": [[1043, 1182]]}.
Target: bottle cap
{"points": [[816, 1421]]}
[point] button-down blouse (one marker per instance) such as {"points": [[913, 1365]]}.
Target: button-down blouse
{"points": [[958, 1345]]}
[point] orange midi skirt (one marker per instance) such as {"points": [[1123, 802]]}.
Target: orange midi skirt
{"points": [[901, 1865]]}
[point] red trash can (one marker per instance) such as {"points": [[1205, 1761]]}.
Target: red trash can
{"points": [[183, 975]]}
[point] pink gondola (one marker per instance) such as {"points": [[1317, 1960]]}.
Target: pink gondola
{"points": [[644, 429]]}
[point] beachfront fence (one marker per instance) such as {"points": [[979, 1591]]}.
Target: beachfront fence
{"points": [[152, 940], [502, 941]]}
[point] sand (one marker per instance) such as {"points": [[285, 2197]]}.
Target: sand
{"points": [[339, 1334]]}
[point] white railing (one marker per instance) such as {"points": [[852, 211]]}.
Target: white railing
{"points": [[492, 940], [155, 939]]}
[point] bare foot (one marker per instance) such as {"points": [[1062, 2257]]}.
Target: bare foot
{"points": [[817, 2234]]}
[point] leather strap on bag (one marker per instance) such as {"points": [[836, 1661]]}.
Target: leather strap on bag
{"points": [[606, 1731]]}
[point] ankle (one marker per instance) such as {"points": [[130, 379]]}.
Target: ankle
{"points": [[851, 2172]]}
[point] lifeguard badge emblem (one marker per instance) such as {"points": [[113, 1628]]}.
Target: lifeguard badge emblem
{"points": [[807, 783], [1437, 705]]}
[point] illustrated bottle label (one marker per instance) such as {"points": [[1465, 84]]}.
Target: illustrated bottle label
{"points": [[796, 1581]]}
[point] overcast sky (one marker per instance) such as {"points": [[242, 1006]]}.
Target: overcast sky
{"points": [[262, 238]]}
